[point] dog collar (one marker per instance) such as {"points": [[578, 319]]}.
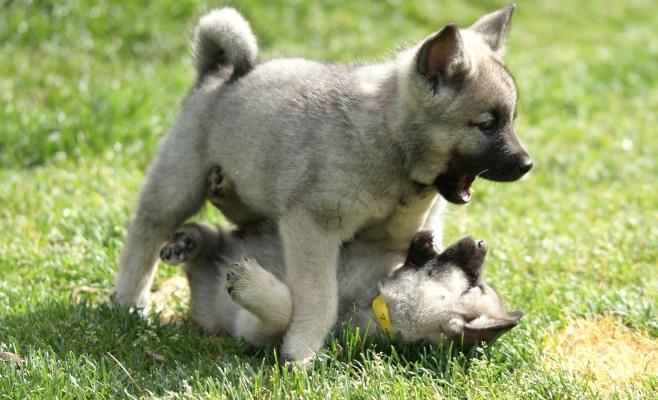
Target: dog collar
{"points": [[380, 309]]}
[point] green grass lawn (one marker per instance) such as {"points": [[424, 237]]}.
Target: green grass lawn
{"points": [[89, 88]]}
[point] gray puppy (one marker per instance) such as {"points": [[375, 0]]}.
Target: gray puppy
{"points": [[328, 152], [237, 285]]}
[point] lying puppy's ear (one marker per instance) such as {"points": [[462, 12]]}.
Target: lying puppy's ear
{"points": [[494, 28], [441, 57], [421, 249], [468, 254], [486, 329]]}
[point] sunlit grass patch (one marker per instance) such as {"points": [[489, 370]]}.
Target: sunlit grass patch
{"points": [[607, 354], [170, 299]]}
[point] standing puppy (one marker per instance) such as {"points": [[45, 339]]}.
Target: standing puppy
{"points": [[328, 151]]}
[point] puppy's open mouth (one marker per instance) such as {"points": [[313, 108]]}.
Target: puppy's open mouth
{"points": [[455, 189]]}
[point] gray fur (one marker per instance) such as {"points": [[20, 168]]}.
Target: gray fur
{"points": [[237, 287], [330, 152]]}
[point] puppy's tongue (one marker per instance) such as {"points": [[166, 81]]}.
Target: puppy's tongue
{"points": [[464, 190]]}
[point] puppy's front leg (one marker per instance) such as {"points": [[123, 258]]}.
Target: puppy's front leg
{"points": [[311, 256]]}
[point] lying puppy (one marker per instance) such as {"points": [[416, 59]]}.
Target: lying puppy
{"points": [[430, 297], [329, 152]]}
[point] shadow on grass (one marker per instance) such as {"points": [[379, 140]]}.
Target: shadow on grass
{"points": [[117, 339], [148, 357]]}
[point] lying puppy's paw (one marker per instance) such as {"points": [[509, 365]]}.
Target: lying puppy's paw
{"points": [[181, 247], [421, 249], [243, 280]]}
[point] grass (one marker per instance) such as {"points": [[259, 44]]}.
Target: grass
{"points": [[89, 89]]}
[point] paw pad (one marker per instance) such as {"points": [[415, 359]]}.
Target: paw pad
{"points": [[216, 183], [179, 249]]}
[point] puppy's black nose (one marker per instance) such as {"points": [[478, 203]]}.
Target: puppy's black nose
{"points": [[525, 164]]}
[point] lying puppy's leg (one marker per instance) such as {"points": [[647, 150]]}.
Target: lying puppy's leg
{"points": [[174, 190], [198, 245], [311, 255], [266, 300]]}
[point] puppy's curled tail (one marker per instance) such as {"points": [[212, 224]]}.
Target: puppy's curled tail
{"points": [[222, 38]]}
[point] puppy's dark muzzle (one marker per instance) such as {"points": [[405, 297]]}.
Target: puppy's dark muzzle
{"points": [[510, 169]]}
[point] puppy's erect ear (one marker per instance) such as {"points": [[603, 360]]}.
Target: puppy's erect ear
{"points": [[441, 57], [494, 28], [486, 329]]}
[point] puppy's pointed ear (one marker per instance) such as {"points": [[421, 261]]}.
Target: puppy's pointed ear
{"points": [[441, 57], [421, 249], [494, 28], [486, 329]]}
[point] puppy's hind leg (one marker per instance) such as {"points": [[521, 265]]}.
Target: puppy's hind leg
{"points": [[266, 301], [175, 188]]}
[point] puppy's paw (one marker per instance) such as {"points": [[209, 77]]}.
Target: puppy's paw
{"points": [[421, 249], [240, 278], [298, 353], [218, 185], [181, 247], [292, 365]]}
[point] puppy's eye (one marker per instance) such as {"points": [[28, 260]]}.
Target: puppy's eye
{"points": [[488, 127]]}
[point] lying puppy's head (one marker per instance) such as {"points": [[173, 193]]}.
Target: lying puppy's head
{"points": [[461, 101], [437, 297]]}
